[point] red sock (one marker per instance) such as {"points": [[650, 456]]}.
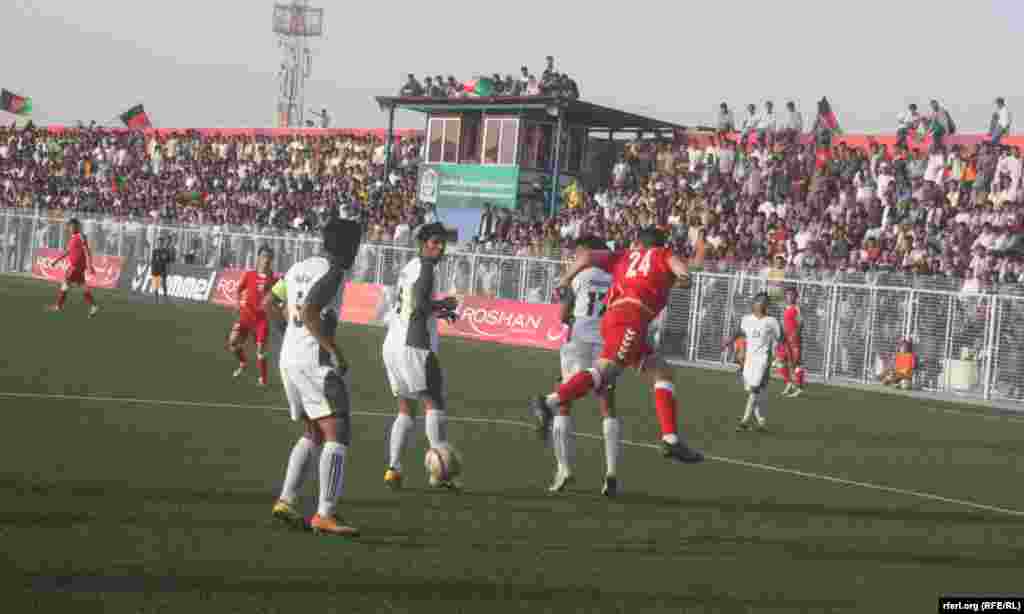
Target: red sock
{"points": [[88, 297], [240, 353], [576, 388], [62, 296], [798, 375], [665, 405], [262, 364], [784, 372]]}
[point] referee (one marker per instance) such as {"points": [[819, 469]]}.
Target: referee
{"points": [[158, 265]]}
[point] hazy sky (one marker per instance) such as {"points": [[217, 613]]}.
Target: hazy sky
{"points": [[212, 63]]}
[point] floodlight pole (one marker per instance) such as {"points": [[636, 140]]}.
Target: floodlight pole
{"points": [[295, 24]]}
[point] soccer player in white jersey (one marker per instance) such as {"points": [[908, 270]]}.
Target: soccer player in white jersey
{"points": [[410, 350], [582, 305], [762, 333], [312, 371]]}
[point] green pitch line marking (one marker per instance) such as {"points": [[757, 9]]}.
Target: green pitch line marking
{"points": [[498, 421]]}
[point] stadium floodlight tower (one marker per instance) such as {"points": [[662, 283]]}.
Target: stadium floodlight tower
{"points": [[294, 25]]}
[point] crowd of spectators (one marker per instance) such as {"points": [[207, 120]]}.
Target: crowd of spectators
{"points": [[551, 83], [956, 211], [753, 199], [250, 182]]}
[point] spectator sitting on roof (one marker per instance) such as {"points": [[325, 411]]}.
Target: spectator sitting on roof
{"points": [[412, 87]]}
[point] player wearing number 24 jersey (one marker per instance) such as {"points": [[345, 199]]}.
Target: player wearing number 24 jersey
{"points": [[643, 276]]}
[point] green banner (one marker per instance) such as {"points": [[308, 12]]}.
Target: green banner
{"points": [[465, 185]]}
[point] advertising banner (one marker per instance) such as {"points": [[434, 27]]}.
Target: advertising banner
{"points": [[482, 318], [467, 186], [184, 282], [507, 322], [366, 304], [225, 291], [108, 268]]}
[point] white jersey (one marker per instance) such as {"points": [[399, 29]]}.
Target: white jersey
{"points": [[313, 279], [413, 323], [589, 289], [762, 336]]}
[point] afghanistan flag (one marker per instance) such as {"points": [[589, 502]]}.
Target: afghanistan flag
{"points": [[479, 87], [828, 116], [13, 103], [136, 118]]}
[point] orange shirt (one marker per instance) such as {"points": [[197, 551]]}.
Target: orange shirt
{"points": [[906, 362], [740, 346]]}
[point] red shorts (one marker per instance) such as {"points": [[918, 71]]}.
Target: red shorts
{"points": [[247, 325], [75, 275], [624, 331]]}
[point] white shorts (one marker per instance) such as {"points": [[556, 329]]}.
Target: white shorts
{"points": [[578, 356], [755, 373], [304, 387], [413, 372]]}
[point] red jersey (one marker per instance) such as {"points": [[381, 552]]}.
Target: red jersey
{"points": [[253, 288], [76, 251], [791, 320], [643, 274]]}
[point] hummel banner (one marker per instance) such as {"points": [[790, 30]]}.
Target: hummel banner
{"points": [[184, 282]]}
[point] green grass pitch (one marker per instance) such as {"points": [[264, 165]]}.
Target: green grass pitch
{"points": [[155, 495]]}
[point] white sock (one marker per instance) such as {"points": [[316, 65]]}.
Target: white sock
{"points": [[758, 411], [612, 428], [332, 477], [435, 426], [563, 442], [399, 430], [751, 402], [295, 474]]}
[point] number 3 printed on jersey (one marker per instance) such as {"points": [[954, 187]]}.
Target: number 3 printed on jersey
{"points": [[639, 264]]}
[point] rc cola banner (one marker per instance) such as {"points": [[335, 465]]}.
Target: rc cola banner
{"points": [[107, 268]]}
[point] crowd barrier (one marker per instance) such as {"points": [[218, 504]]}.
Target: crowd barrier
{"points": [[969, 341]]}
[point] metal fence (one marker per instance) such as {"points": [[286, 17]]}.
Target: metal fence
{"points": [[497, 275], [969, 344]]}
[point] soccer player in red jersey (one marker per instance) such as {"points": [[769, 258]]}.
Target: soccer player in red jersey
{"points": [[642, 275], [792, 323], [80, 260], [252, 318]]}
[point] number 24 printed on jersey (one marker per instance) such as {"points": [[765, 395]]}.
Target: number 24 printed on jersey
{"points": [[639, 264]]}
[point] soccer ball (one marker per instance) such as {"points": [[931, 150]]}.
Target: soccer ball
{"points": [[443, 465]]}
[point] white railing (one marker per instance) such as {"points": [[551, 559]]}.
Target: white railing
{"points": [[969, 344], [502, 276]]}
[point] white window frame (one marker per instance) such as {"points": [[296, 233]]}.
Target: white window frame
{"points": [[501, 119]]}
